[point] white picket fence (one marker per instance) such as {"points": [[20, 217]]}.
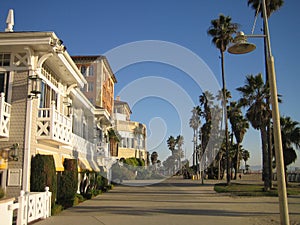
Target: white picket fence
{"points": [[29, 207]]}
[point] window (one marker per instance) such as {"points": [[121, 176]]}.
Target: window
{"points": [[83, 70], [47, 96], [90, 86], [4, 59], [4, 82], [91, 71]]}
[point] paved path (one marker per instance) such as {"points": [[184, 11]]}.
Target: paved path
{"points": [[174, 202]]}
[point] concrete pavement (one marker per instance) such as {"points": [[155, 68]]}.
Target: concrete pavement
{"points": [[174, 202]]}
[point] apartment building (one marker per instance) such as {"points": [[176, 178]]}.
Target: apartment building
{"points": [[133, 134], [43, 110], [99, 88]]}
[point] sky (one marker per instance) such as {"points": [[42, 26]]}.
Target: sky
{"points": [[163, 58]]}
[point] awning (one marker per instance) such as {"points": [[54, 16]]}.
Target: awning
{"points": [[3, 163], [57, 159], [83, 164], [94, 166]]}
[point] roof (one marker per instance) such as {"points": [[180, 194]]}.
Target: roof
{"points": [[120, 103], [45, 42], [94, 58]]}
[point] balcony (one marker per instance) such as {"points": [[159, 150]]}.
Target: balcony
{"points": [[5, 109], [85, 152], [53, 126]]}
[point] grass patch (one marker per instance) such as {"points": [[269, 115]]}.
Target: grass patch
{"points": [[239, 189]]}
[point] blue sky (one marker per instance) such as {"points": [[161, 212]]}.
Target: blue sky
{"points": [[95, 27]]}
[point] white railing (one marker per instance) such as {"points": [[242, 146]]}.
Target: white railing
{"points": [[30, 207], [82, 145], [54, 126], [5, 109]]}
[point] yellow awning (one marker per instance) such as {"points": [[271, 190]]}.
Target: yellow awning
{"points": [[3, 164], [57, 159], [83, 164], [94, 165]]}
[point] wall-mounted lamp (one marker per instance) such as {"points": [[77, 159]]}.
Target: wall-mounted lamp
{"points": [[36, 83], [68, 102], [10, 153]]}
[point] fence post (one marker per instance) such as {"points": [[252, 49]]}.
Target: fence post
{"points": [[47, 212], [23, 208]]}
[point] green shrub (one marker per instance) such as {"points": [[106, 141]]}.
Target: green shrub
{"points": [[43, 173], [56, 209], [2, 193], [68, 183], [80, 198]]}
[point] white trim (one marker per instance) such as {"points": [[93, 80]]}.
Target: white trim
{"points": [[27, 155]]}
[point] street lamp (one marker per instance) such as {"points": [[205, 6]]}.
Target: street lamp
{"points": [[242, 46]]}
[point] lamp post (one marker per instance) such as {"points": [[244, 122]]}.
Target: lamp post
{"points": [[241, 47]]}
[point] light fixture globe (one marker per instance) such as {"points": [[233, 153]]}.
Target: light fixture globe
{"points": [[241, 46]]}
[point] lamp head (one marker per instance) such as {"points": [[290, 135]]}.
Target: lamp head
{"points": [[241, 46]]}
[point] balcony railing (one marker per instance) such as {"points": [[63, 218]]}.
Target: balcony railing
{"points": [[53, 126], [5, 109], [82, 145]]}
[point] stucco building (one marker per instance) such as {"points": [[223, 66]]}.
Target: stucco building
{"points": [[133, 134]]}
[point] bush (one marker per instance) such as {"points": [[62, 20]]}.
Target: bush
{"points": [[68, 183], [43, 173], [56, 209], [2, 193]]}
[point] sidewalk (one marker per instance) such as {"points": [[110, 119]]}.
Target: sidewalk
{"points": [[175, 201]]}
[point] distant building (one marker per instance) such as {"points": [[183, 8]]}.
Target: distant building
{"points": [[99, 88], [133, 134]]}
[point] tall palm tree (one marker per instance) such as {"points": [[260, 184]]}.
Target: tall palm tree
{"points": [[221, 30], [290, 133], [194, 124], [254, 93], [239, 126], [271, 6], [179, 143], [206, 102]]}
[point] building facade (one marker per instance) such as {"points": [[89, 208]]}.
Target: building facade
{"points": [[133, 134], [99, 88], [43, 110]]}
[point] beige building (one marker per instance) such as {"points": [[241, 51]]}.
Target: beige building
{"points": [[99, 88], [133, 134], [43, 110]]}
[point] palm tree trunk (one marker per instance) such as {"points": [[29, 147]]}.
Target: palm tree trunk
{"points": [[265, 154], [237, 166]]}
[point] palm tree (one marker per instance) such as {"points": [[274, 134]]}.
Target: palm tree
{"points": [[245, 156], [194, 124], [254, 93], [290, 133], [221, 30], [239, 126], [206, 101], [271, 6], [171, 144]]}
